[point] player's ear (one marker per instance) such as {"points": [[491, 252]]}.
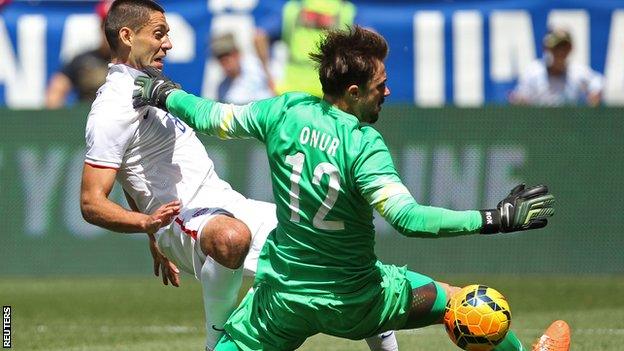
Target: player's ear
{"points": [[125, 36], [353, 92]]}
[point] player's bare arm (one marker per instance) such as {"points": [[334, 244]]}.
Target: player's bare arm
{"points": [[97, 209]]}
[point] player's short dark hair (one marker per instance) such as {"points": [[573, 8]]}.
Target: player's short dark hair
{"points": [[133, 14], [347, 57]]}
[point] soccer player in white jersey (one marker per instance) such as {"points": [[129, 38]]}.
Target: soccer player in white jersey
{"points": [[554, 80], [200, 223]]}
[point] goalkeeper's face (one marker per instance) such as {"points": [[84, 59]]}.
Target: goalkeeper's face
{"points": [[150, 43], [373, 95]]}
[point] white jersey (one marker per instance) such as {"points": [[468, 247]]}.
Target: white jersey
{"points": [[536, 87], [158, 157]]}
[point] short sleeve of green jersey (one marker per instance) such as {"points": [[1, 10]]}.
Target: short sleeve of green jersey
{"points": [[378, 182], [226, 121]]}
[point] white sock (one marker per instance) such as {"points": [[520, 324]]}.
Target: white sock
{"points": [[220, 287], [383, 342]]}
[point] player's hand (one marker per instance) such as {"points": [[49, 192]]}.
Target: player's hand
{"points": [[167, 269], [523, 209], [152, 89], [161, 217]]}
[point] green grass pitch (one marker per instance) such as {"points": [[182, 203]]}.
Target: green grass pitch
{"points": [[104, 314]]}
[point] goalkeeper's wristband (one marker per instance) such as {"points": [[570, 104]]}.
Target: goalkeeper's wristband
{"points": [[491, 220]]}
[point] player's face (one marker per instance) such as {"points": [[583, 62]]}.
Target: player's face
{"points": [[374, 95], [151, 43]]}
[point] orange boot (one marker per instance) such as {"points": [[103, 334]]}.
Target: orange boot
{"points": [[555, 338]]}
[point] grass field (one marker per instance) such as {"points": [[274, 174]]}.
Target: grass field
{"points": [[99, 314]]}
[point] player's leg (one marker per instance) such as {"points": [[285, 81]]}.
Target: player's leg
{"points": [[214, 244], [429, 299], [224, 242], [383, 342], [261, 219], [225, 239], [198, 237], [510, 343], [246, 324], [269, 320], [220, 287], [555, 338]]}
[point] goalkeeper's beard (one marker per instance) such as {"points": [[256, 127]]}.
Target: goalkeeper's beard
{"points": [[375, 116]]}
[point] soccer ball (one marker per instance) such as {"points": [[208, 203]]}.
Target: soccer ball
{"points": [[477, 318]]}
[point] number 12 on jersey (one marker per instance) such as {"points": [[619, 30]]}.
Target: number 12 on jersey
{"points": [[297, 161]]}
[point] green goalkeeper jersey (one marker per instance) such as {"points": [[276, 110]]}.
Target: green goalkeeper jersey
{"points": [[328, 173]]}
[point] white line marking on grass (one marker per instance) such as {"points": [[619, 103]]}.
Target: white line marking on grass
{"points": [[149, 329], [598, 331], [589, 331], [179, 329], [154, 329]]}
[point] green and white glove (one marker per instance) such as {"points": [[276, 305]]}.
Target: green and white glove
{"points": [[153, 89], [523, 209]]}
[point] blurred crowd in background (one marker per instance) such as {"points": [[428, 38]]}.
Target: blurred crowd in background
{"points": [[554, 79]]}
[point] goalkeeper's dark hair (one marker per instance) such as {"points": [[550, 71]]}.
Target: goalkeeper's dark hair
{"points": [[133, 14], [347, 57]]}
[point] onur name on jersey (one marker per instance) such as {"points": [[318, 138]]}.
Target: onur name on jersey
{"points": [[319, 140]]}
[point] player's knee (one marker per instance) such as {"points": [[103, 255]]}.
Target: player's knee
{"points": [[238, 243], [226, 240]]}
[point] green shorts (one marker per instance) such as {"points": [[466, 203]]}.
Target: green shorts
{"points": [[273, 320]]}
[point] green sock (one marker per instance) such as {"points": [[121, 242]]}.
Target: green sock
{"points": [[510, 343]]}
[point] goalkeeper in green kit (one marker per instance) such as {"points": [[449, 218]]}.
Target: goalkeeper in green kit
{"points": [[318, 272]]}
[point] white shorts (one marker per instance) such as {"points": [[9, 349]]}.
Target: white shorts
{"points": [[180, 241]]}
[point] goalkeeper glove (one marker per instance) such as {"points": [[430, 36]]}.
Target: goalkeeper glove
{"points": [[523, 209], [153, 89]]}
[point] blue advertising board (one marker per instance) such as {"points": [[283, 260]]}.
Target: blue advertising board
{"points": [[463, 52]]}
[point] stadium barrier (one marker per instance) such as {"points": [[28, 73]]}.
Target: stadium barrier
{"points": [[456, 158]]}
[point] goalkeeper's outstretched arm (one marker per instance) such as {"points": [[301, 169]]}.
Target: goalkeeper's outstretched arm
{"points": [[523, 209], [379, 183]]}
